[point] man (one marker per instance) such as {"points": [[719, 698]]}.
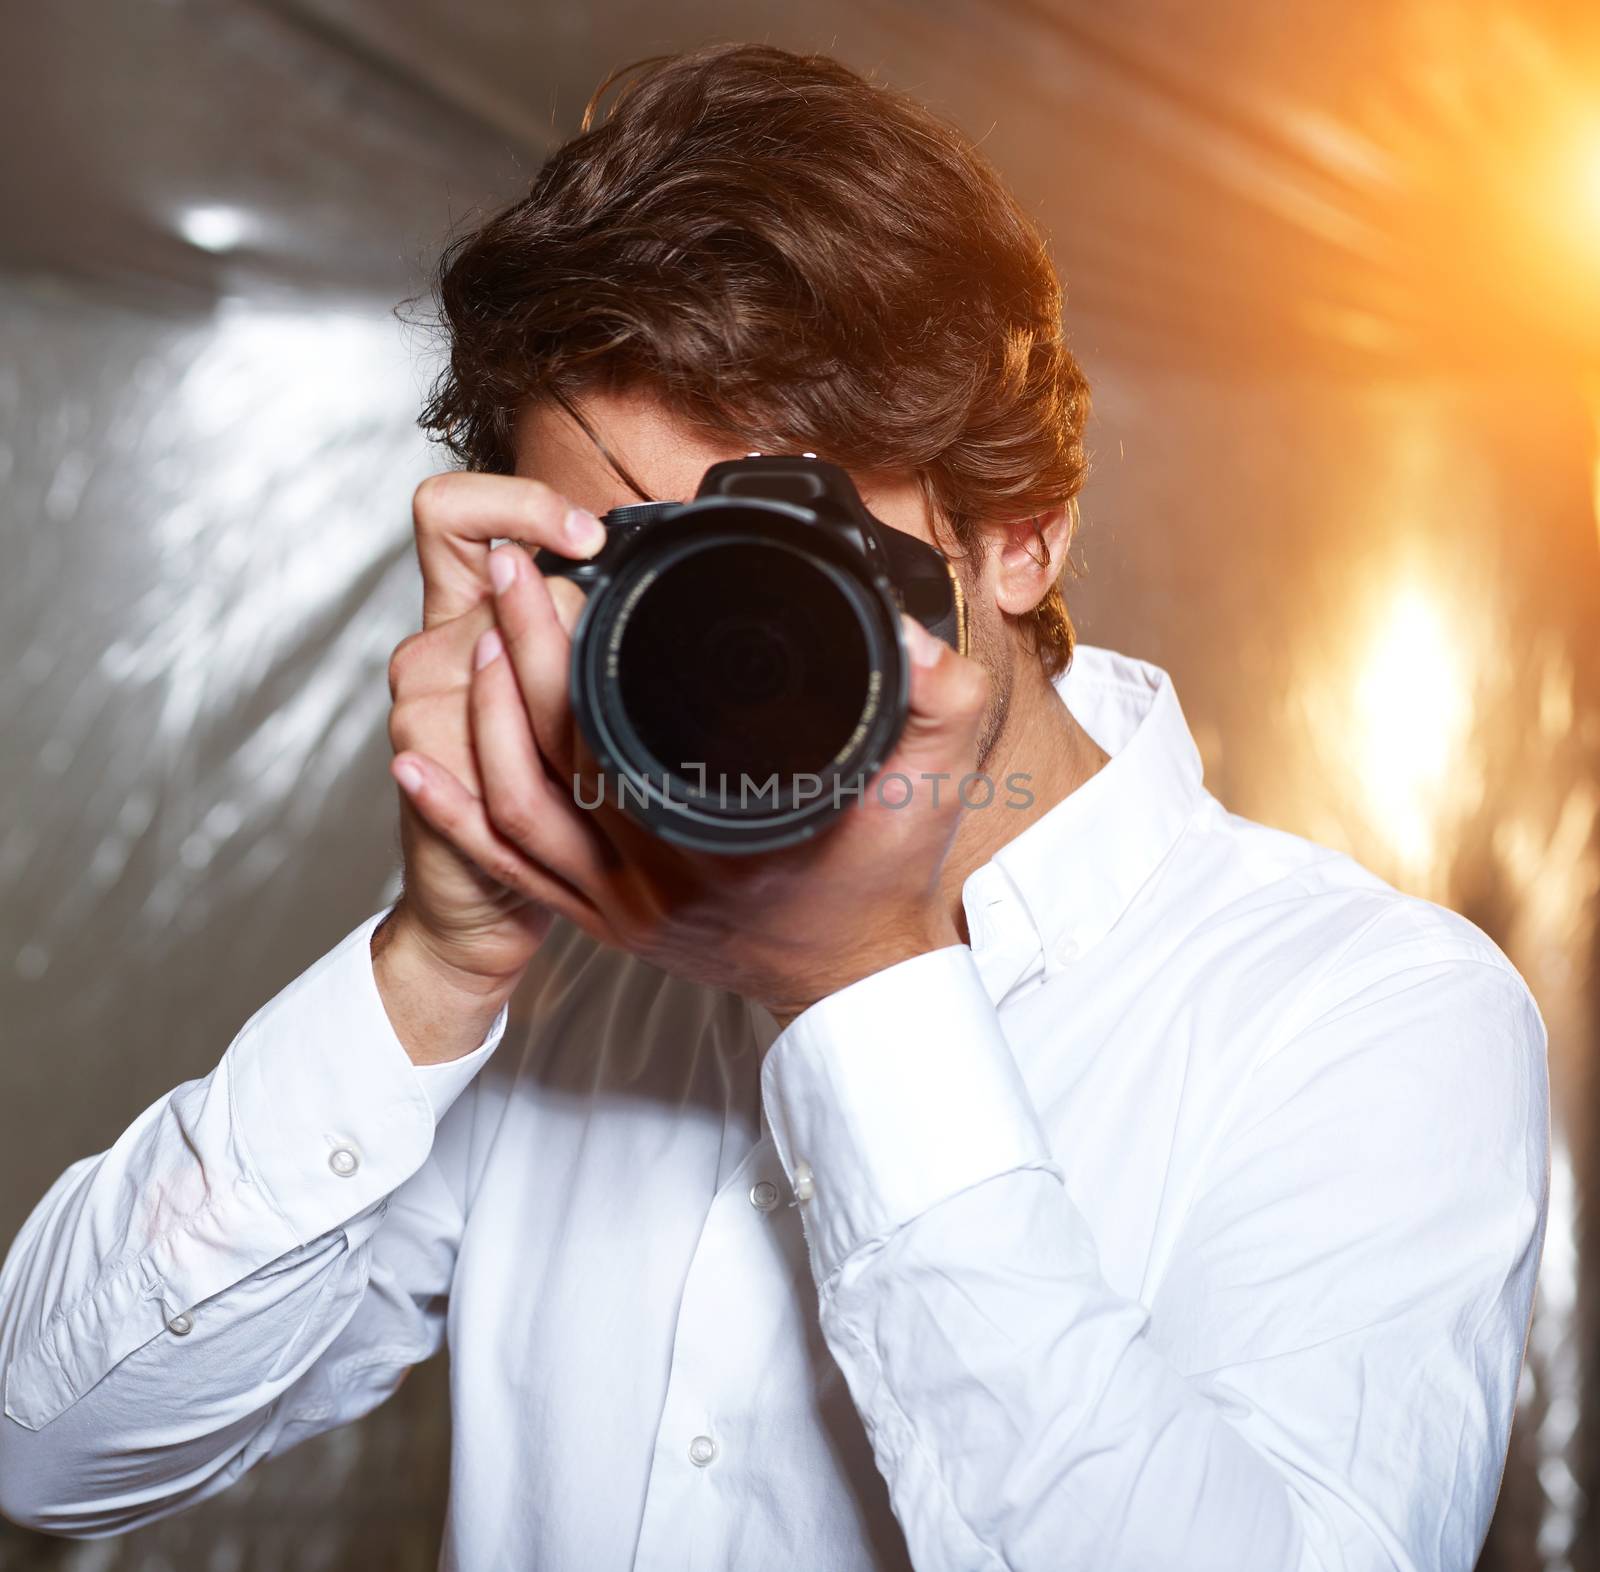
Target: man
{"points": [[1103, 1183]]}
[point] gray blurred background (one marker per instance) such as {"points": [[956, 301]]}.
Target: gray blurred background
{"points": [[1334, 271]]}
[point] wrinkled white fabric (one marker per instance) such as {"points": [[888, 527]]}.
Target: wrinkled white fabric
{"points": [[1189, 1219]]}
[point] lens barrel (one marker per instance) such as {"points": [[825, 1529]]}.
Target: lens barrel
{"points": [[741, 676]]}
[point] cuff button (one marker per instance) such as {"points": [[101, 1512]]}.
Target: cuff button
{"points": [[343, 1161], [181, 1325], [804, 1188]]}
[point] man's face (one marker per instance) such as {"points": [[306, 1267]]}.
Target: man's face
{"points": [[668, 459]]}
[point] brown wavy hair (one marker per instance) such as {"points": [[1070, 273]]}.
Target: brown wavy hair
{"points": [[787, 253]]}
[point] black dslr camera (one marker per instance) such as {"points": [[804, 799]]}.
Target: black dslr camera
{"points": [[739, 670]]}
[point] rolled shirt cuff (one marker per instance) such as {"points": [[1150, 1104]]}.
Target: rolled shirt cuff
{"points": [[329, 1110], [892, 1095]]}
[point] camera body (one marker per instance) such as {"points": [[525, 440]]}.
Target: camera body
{"points": [[739, 670]]}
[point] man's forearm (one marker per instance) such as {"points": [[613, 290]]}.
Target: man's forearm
{"points": [[166, 1299], [438, 1012]]}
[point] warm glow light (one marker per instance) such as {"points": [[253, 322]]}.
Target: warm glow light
{"points": [[1592, 390], [1591, 176], [1411, 708], [1578, 195], [1496, 134]]}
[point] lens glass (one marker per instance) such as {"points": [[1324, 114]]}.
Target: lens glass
{"points": [[747, 658]]}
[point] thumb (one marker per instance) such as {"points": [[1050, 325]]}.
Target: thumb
{"points": [[948, 694]]}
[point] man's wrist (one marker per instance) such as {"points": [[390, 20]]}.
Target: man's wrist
{"points": [[889, 948], [438, 1011]]}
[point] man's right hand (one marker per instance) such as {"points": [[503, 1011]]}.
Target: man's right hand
{"points": [[457, 943]]}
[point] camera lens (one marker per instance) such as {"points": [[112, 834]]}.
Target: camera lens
{"points": [[739, 675], [742, 658]]}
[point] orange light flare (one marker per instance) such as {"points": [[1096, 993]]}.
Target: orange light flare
{"points": [[1491, 134], [1568, 240], [1586, 180]]}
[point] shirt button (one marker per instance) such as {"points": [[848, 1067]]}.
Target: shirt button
{"points": [[804, 1188], [343, 1161], [702, 1450], [763, 1195], [181, 1325]]}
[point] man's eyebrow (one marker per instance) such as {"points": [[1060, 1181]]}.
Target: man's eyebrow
{"points": [[613, 463]]}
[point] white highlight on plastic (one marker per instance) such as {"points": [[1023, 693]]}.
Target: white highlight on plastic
{"points": [[215, 229]]}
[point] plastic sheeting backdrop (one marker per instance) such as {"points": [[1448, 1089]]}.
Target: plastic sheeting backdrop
{"points": [[1334, 276]]}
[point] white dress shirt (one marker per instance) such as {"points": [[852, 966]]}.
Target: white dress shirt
{"points": [[1188, 1219]]}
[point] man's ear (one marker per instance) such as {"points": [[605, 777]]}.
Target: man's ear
{"points": [[1030, 555]]}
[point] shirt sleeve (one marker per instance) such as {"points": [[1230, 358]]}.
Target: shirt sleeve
{"points": [[260, 1255], [1325, 1373]]}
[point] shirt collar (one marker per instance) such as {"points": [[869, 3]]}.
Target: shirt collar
{"points": [[1058, 887]]}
